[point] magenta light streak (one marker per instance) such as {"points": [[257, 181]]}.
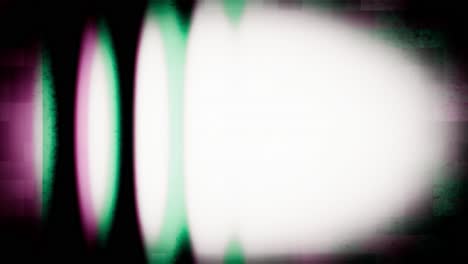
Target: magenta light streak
{"points": [[88, 48]]}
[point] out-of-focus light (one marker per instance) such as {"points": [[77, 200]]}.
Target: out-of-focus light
{"points": [[158, 133], [45, 132], [151, 132], [302, 134], [97, 132]]}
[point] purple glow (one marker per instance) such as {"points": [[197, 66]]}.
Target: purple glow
{"points": [[19, 196], [96, 133], [88, 49]]}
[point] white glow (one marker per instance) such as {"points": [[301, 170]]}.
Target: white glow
{"points": [[151, 131], [100, 133], [301, 133], [210, 186]]}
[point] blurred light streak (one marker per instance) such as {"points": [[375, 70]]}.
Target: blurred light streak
{"points": [[97, 135], [159, 120]]}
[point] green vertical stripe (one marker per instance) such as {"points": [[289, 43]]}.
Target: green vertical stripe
{"points": [[48, 131]]}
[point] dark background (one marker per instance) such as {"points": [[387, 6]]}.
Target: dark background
{"points": [[59, 26]]}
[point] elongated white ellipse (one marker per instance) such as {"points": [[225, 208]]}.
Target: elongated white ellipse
{"points": [[96, 132], [151, 131]]}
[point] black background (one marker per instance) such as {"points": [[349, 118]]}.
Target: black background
{"points": [[59, 25]]}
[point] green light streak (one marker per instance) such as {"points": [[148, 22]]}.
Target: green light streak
{"points": [[105, 217], [49, 135], [174, 230]]}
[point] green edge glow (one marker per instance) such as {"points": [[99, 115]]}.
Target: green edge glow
{"points": [[48, 131], [105, 217], [174, 229]]}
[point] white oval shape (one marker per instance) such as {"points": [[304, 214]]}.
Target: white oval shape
{"points": [[96, 133], [302, 134], [151, 131]]}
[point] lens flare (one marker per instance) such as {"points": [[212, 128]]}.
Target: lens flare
{"points": [[158, 133], [97, 132], [302, 134]]}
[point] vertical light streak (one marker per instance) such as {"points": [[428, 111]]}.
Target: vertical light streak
{"points": [[45, 132], [210, 83], [233, 11], [162, 172], [97, 132]]}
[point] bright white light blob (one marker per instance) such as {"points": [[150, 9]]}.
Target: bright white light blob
{"points": [[301, 133], [99, 132], [151, 131], [96, 134]]}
